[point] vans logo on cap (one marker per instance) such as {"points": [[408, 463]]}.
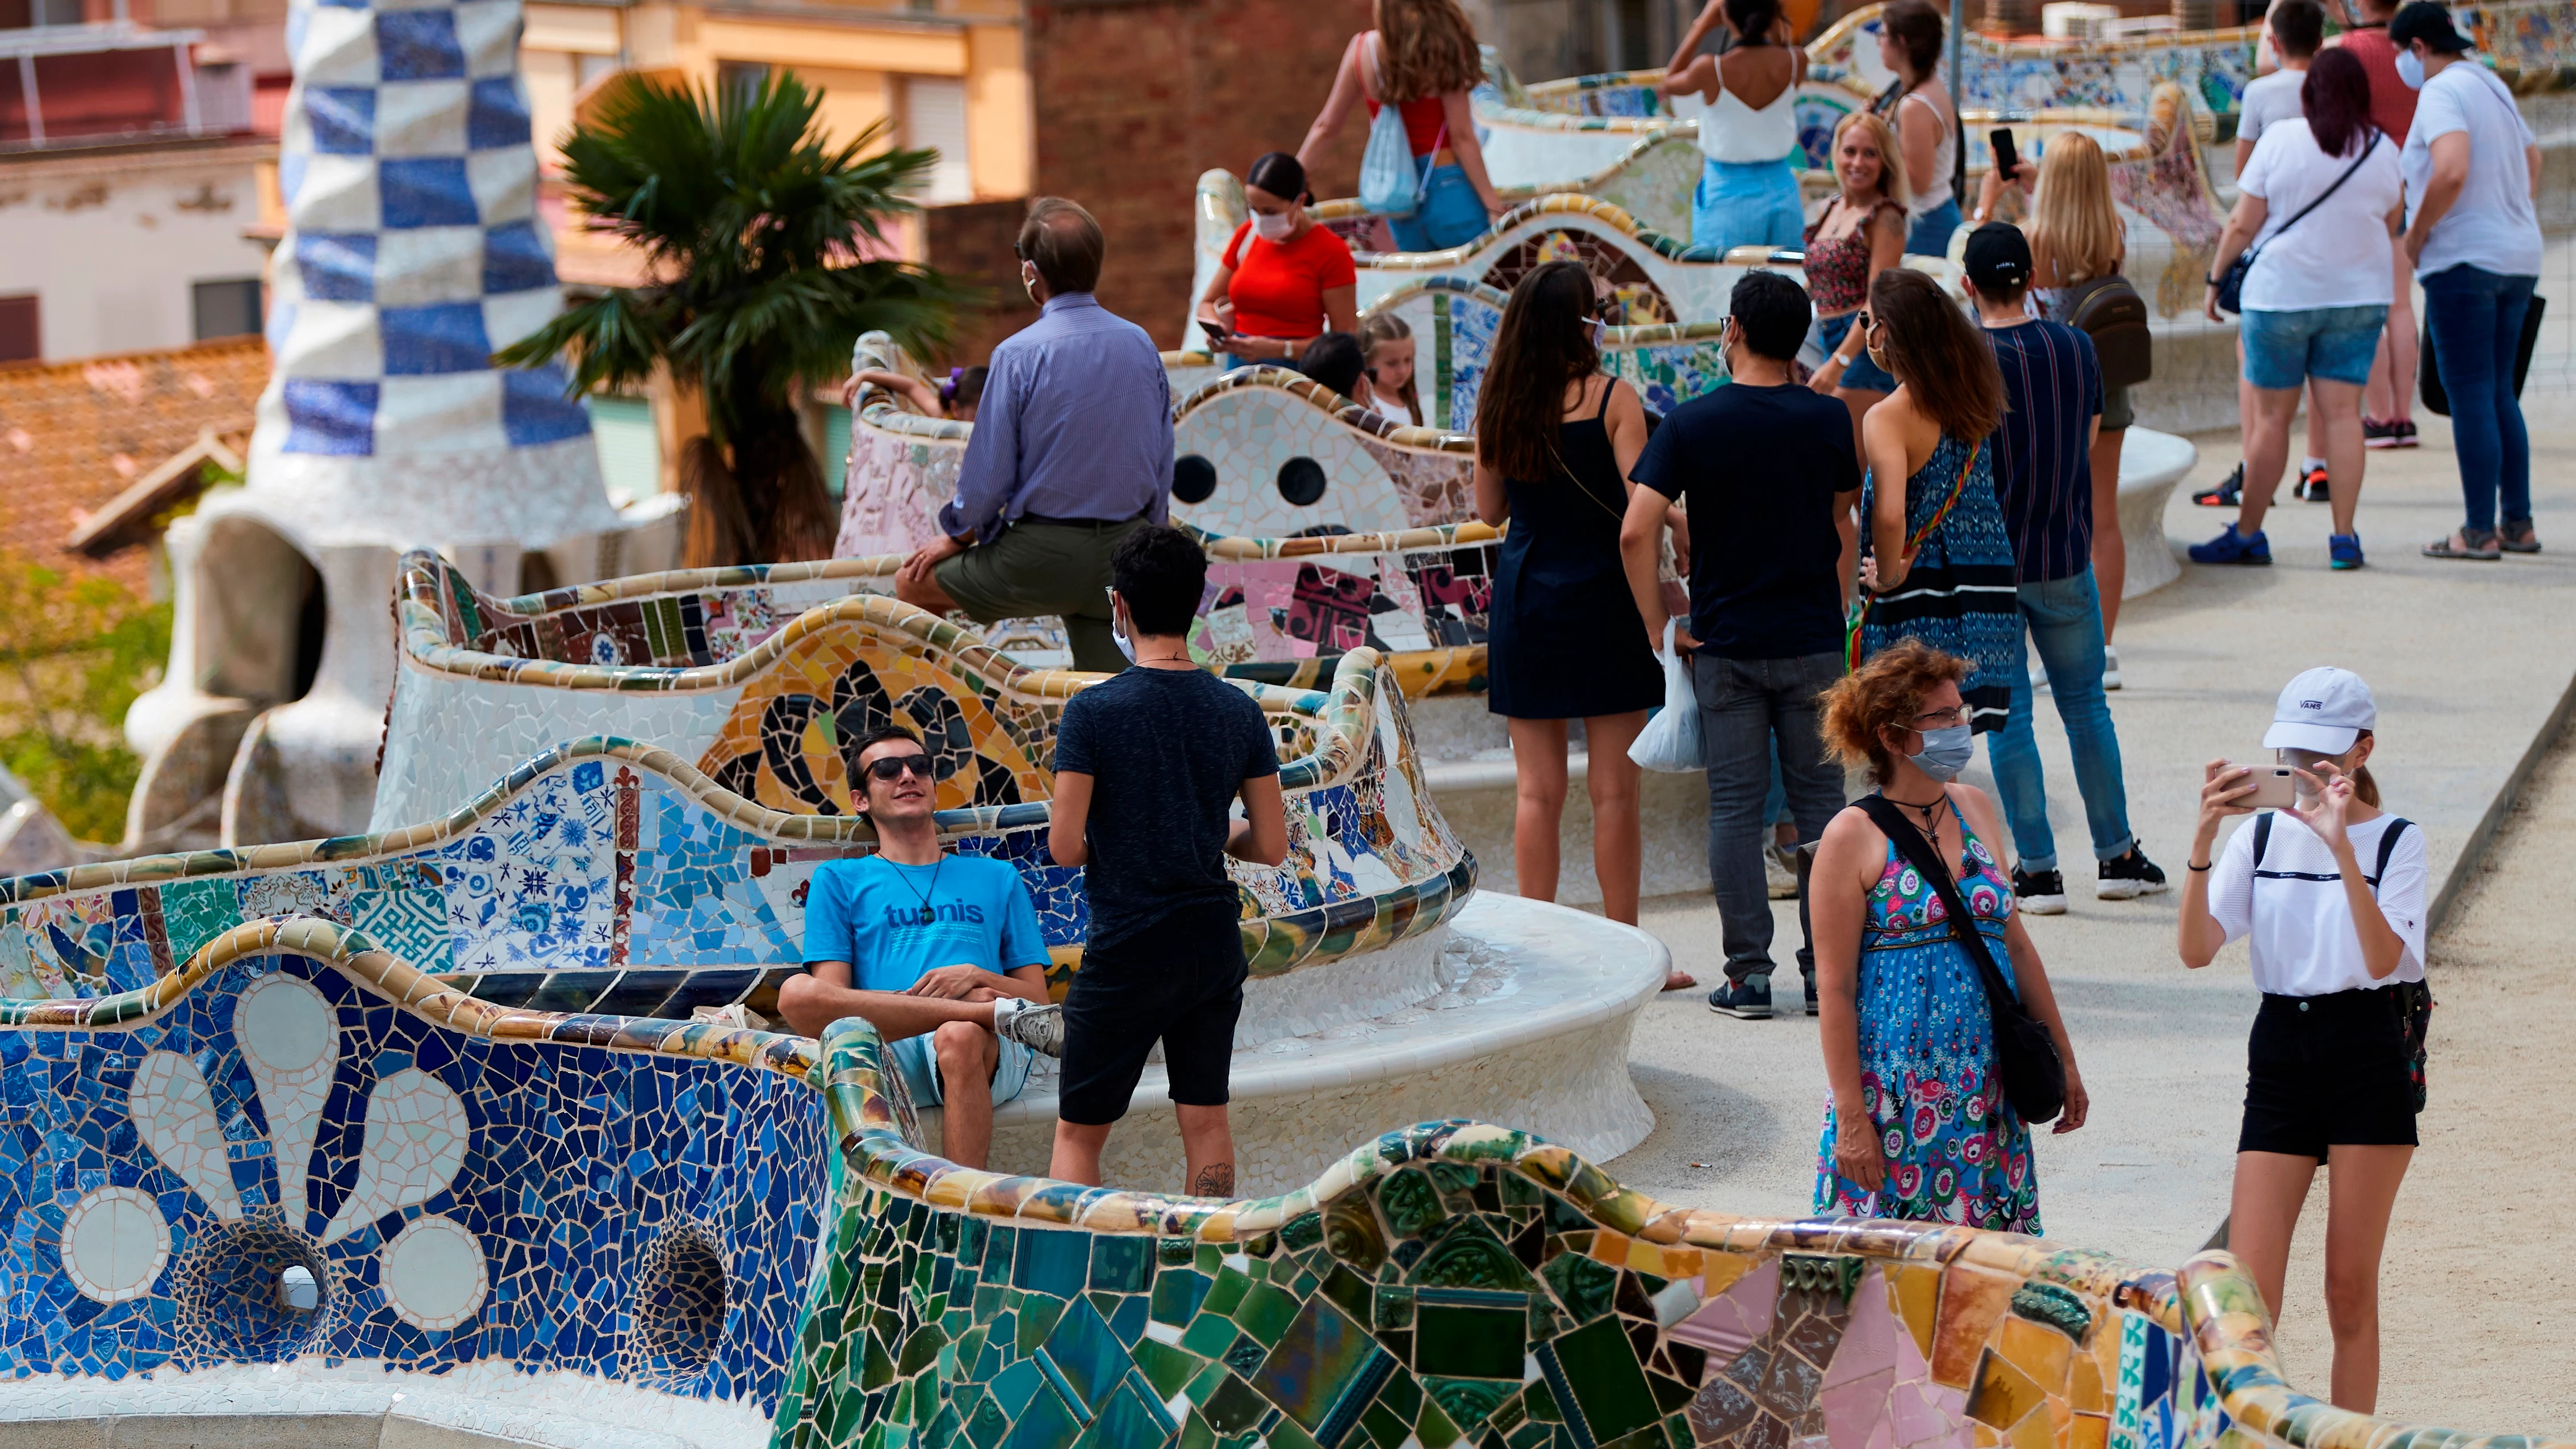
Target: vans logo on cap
{"points": [[2312, 704]]}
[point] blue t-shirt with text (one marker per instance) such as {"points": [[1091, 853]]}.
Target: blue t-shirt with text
{"points": [[896, 923]]}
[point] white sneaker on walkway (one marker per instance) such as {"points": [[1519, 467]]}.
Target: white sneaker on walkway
{"points": [[2110, 666], [1778, 874]]}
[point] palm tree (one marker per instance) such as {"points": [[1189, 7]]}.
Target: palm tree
{"points": [[766, 254]]}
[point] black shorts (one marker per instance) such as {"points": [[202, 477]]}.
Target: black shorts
{"points": [[1178, 981], [2326, 1071]]}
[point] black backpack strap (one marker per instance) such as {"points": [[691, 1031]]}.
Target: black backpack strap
{"points": [[2388, 847], [2262, 836]]}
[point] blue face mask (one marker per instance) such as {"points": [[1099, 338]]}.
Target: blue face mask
{"points": [[1946, 752], [2410, 69]]}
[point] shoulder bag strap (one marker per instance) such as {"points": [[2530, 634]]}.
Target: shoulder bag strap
{"points": [[2302, 214], [2262, 836], [2387, 848], [1927, 863]]}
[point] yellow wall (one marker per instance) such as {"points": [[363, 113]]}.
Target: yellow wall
{"points": [[853, 100], [1001, 140]]}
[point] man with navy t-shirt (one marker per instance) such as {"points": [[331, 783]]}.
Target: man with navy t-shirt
{"points": [[2044, 481], [941, 953]]}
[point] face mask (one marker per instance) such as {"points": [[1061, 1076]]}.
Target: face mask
{"points": [[2410, 69], [1029, 279], [1946, 752], [1118, 628], [1273, 227], [1877, 355], [1597, 330]]}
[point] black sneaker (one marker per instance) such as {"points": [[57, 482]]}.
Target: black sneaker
{"points": [[2226, 494], [1811, 993], [2039, 892], [2127, 876], [1749, 998]]}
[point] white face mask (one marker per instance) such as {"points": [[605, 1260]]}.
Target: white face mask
{"points": [[2410, 69], [1029, 279], [1118, 627], [1273, 226], [1597, 330]]}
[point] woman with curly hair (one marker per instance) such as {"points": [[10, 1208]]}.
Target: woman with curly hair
{"points": [[1908, 1036], [1421, 59]]}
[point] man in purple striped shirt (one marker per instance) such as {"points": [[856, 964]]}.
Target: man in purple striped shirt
{"points": [[2044, 480]]}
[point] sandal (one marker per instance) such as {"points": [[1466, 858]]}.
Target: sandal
{"points": [[2469, 543], [2517, 537]]}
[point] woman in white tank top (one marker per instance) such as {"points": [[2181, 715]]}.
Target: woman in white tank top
{"points": [[1926, 122], [1748, 186]]}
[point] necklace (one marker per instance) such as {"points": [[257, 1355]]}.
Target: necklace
{"points": [[928, 912], [1929, 830]]}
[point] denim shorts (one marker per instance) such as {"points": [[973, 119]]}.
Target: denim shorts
{"points": [[1863, 374], [2284, 349], [1929, 233], [1448, 215], [1748, 203], [920, 1067]]}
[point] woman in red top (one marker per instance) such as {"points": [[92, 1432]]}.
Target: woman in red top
{"points": [[1285, 281], [1423, 57], [2388, 402]]}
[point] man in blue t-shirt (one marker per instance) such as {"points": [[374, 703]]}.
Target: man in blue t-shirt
{"points": [[1148, 766], [2044, 481], [1766, 469], [941, 953]]}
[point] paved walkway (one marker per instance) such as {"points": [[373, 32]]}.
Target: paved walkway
{"points": [[2468, 661]]}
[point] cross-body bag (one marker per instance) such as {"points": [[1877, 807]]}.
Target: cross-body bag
{"points": [[2231, 283], [1913, 544], [2412, 999], [2026, 1060]]}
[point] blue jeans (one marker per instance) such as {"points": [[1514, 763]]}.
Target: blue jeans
{"points": [[1929, 236], [1748, 203], [1746, 708], [2476, 320], [2065, 619], [1448, 215]]}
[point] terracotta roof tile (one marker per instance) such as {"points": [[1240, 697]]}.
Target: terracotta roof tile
{"points": [[73, 435]]}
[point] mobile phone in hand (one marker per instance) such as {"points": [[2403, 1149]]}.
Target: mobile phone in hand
{"points": [[2007, 160], [1217, 335], [2274, 785]]}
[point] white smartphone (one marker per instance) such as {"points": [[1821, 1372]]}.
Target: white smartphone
{"points": [[2275, 786]]}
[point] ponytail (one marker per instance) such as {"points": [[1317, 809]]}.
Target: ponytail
{"points": [[2364, 788]]}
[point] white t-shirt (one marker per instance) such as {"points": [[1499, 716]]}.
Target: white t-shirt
{"points": [[2492, 226], [2268, 99], [2304, 941], [2339, 254]]}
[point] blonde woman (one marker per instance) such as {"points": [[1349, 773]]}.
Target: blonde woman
{"points": [[2076, 236], [1859, 234], [1422, 59]]}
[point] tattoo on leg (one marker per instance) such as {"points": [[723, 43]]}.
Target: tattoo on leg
{"points": [[1215, 1180]]}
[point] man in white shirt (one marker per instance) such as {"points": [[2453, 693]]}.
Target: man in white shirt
{"points": [[2472, 169]]}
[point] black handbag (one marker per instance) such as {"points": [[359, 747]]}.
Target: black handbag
{"points": [[2437, 398], [2034, 1079], [2231, 283]]}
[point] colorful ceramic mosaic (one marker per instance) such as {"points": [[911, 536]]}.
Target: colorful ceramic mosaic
{"points": [[2015, 76], [1462, 1284]]}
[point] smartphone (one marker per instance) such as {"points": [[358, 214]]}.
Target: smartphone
{"points": [[2274, 786], [2001, 140], [1216, 335]]}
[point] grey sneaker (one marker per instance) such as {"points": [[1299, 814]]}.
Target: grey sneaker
{"points": [[1749, 998], [1039, 1028]]}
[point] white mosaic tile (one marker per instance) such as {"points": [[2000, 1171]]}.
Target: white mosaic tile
{"points": [[434, 1275], [416, 1139], [115, 1243], [291, 1042], [174, 1111]]}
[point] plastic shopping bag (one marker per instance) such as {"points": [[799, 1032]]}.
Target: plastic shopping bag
{"points": [[1670, 740]]}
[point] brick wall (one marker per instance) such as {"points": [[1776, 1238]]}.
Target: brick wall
{"points": [[1135, 99], [972, 244]]}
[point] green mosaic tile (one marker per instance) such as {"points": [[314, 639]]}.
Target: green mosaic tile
{"points": [[1598, 1366], [920, 1351], [1470, 1256], [986, 1425], [1210, 1334], [1302, 1231], [1195, 1433], [1541, 1404], [1088, 1356], [1121, 1265], [1228, 1291], [1383, 1428], [1130, 1417], [1434, 1427], [1402, 1395], [1266, 1312], [1037, 1319], [1045, 1424], [1345, 1288], [1325, 1371], [1475, 1342], [1245, 1354], [1167, 1368], [194, 912], [1053, 1263], [1466, 1402], [1234, 1407], [1394, 1307], [1410, 1202], [1177, 1295], [1352, 1234]]}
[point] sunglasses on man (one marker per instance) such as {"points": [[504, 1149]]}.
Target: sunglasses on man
{"points": [[890, 768]]}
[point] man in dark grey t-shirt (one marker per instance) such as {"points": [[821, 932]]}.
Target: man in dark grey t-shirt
{"points": [[1148, 764]]}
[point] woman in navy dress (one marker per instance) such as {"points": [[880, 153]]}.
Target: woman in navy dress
{"points": [[1554, 442]]}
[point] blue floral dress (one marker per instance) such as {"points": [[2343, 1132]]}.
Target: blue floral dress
{"points": [[1956, 1151], [1959, 596]]}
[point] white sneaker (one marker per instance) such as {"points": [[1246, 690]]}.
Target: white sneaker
{"points": [[2110, 666], [1778, 874]]}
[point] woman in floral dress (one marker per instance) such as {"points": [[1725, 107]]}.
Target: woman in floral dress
{"points": [[1908, 1039]]}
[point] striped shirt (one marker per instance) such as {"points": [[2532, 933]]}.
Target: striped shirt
{"points": [[2043, 451]]}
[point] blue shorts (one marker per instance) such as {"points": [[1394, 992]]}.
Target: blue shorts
{"points": [[2284, 349], [921, 1070], [1863, 374], [1448, 215], [1929, 236], [1746, 203]]}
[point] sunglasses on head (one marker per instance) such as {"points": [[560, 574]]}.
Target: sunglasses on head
{"points": [[1865, 321], [893, 767]]}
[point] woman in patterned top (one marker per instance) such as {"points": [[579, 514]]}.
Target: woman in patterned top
{"points": [[1909, 1043]]}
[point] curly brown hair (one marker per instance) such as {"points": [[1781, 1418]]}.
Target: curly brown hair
{"points": [[1884, 694]]}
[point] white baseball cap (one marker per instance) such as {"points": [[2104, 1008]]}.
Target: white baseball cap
{"points": [[2325, 709]]}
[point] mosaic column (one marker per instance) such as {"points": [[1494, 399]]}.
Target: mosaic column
{"points": [[413, 249]]}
